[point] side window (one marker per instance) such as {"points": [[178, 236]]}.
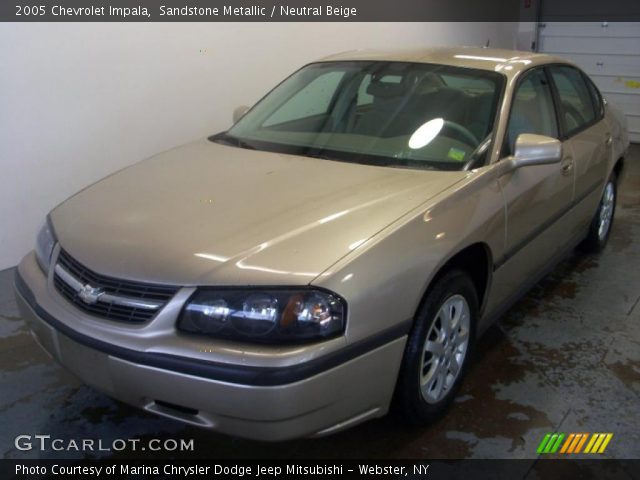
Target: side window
{"points": [[313, 99], [532, 109], [595, 97], [576, 100]]}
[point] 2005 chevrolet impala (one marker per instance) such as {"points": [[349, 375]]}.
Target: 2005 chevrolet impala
{"points": [[342, 245]]}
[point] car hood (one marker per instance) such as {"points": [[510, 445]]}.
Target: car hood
{"points": [[209, 214]]}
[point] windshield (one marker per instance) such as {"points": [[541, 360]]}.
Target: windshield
{"points": [[396, 114]]}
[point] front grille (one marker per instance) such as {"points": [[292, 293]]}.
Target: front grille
{"points": [[159, 294]]}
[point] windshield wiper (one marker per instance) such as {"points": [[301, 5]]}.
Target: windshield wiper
{"points": [[321, 156], [231, 140]]}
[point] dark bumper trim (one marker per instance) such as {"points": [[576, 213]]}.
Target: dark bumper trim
{"points": [[238, 374]]}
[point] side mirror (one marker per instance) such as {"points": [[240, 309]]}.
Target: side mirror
{"points": [[239, 112], [531, 150]]}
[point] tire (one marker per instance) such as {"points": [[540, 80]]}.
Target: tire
{"points": [[602, 221], [423, 391]]}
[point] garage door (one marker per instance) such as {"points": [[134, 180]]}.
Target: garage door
{"points": [[609, 52]]}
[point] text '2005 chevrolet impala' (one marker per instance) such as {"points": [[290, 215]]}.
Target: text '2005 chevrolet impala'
{"points": [[340, 247]]}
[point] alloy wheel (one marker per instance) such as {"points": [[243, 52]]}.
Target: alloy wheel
{"points": [[606, 210], [445, 348]]}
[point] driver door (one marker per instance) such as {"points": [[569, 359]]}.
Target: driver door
{"points": [[537, 197]]}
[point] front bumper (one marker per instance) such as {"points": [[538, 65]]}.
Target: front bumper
{"points": [[315, 393]]}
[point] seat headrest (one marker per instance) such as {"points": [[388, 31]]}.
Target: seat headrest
{"points": [[379, 89]]}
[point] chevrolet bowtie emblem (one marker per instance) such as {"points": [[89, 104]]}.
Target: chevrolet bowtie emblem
{"points": [[90, 295]]}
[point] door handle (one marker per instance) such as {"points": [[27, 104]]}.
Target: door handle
{"points": [[609, 140], [567, 166]]}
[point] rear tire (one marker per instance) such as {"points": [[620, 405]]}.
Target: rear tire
{"points": [[439, 348], [602, 221]]}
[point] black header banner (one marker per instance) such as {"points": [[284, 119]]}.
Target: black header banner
{"points": [[302, 10], [256, 10]]}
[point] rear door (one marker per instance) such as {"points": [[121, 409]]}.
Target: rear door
{"points": [[586, 136]]}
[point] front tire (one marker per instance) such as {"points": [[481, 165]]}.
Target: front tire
{"points": [[438, 349], [602, 221]]}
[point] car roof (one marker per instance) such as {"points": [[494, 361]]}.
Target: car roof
{"points": [[509, 62]]}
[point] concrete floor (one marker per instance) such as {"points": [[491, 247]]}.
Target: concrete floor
{"points": [[565, 358]]}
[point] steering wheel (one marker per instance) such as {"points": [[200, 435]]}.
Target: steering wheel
{"points": [[463, 131]]}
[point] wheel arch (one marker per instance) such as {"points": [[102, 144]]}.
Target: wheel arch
{"points": [[477, 261], [618, 168]]}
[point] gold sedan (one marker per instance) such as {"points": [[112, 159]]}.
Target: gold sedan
{"points": [[343, 244]]}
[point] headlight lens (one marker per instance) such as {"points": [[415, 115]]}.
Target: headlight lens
{"points": [[45, 241], [268, 316]]}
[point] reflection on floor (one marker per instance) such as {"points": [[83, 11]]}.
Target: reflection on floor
{"points": [[565, 358]]}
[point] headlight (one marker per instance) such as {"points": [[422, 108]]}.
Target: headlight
{"points": [[45, 242], [269, 316]]}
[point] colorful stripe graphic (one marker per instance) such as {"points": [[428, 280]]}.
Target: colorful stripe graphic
{"points": [[573, 443]]}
